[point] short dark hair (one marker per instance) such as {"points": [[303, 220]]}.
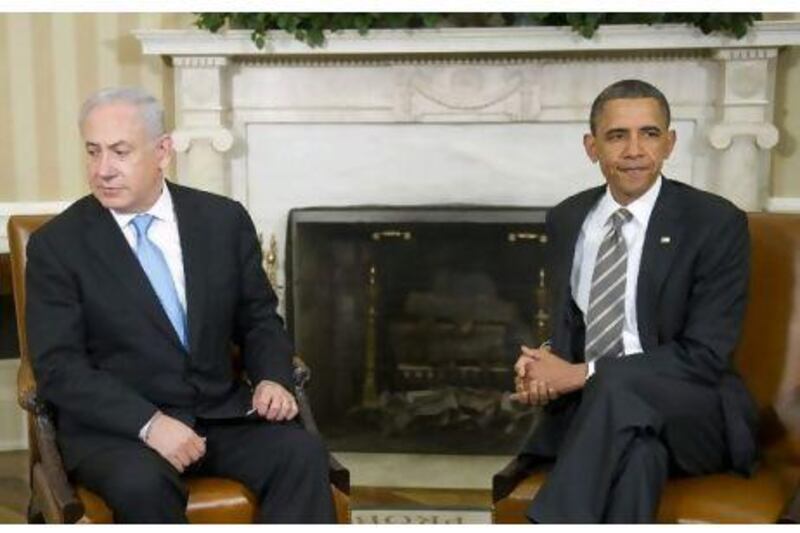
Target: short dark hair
{"points": [[626, 89]]}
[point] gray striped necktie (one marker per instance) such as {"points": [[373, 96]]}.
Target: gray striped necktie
{"points": [[606, 313]]}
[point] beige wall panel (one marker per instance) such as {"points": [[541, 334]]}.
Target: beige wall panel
{"points": [[86, 44], [44, 91], [65, 53], [107, 49], [8, 189], [22, 131], [786, 156]]}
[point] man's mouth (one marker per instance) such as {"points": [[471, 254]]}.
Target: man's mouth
{"points": [[635, 171]]}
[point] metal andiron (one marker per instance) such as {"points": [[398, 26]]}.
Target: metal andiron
{"points": [[271, 262], [370, 400], [369, 391]]}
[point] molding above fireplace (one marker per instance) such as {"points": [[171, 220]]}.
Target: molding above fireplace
{"points": [[634, 37]]}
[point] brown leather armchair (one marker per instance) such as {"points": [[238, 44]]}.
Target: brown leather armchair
{"points": [[54, 499], [768, 357]]}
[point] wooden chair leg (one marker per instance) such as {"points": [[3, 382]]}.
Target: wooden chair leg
{"points": [[34, 515]]}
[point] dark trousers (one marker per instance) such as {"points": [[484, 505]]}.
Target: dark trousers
{"points": [[284, 466], [615, 443]]}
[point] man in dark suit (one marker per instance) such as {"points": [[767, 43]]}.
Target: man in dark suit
{"points": [[649, 280], [135, 294]]}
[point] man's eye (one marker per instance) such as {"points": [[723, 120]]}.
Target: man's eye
{"points": [[121, 153]]}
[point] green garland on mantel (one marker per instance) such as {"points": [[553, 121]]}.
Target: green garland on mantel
{"points": [[310, 27]]}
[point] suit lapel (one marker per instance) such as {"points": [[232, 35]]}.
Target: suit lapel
{"points": [[194, 251], [664, 235], [574, 221], [107, 242], [569, 229]]}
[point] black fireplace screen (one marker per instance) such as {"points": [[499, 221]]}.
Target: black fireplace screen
{"points": [[411, 320]]}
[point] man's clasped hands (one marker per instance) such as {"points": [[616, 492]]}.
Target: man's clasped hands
{"points": [[542, 376]]}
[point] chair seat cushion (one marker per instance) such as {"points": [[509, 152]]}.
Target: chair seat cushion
{"points": [[719, 498], [211, 501]]}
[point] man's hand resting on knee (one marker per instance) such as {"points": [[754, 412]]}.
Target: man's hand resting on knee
{"points": [[542, 376], [274, 402], [175, 441]]}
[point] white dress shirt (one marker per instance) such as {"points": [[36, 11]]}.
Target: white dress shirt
{"points": [[164, 233], [594, 228]]}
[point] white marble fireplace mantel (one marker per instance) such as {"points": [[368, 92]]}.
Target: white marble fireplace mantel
{"points": [[478, 116], [466, 40]]}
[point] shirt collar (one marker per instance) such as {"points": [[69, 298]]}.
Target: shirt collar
{"points": [[162, 209], [641, 208]]}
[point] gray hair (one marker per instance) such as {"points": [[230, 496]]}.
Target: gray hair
{"points": [[627, 89], [150, 109]]}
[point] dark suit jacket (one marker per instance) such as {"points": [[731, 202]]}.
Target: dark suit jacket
{"points": [[690, 299], [104, 352]]}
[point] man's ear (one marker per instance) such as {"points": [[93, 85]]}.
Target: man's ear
{"points": [[164, 149], [673, 137], [590, 147]]}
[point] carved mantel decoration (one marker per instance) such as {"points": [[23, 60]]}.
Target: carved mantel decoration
{"points": [[483, 116]]}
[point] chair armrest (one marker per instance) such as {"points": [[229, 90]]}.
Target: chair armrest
{"points": [[339, 475], [301, 376], [506, 480], [26, 388], [791, 512], [54, 494]]}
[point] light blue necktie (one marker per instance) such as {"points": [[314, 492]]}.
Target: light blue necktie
{"points": [[155, 266]]}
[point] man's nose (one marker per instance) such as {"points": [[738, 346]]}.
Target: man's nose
{"points": [[105, 168], [634, 146]]}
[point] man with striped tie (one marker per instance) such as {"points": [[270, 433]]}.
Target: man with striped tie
{"points": [[135, 294], [648, 283]]}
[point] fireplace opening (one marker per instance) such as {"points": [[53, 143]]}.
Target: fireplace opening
{"points": [[411, 320]]}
